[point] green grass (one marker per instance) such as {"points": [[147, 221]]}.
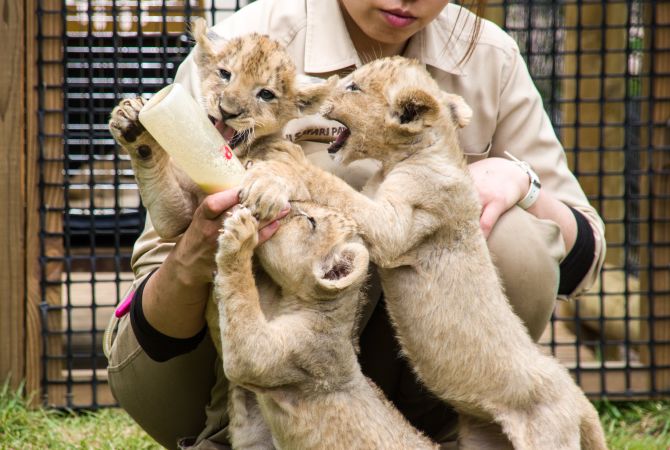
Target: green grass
{"points": [[629, 426], [24, 428], [636, 425]]}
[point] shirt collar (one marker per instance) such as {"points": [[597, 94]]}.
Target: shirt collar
{"points": [[436, 46], [328, 46]]}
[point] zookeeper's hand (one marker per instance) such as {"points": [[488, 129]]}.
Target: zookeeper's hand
{"points": [[197, 247], [500, 184]]}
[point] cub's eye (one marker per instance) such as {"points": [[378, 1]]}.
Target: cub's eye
{"points": [[352, 87], [224, 74], [312, 222], [266, 95]]}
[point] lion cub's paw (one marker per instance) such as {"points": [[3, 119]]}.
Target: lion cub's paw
{"points": [[126, 128], [264, 195], [239, 235], [124, 123]]}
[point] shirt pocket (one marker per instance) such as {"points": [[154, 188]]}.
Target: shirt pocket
{"points": [[476, 152]]}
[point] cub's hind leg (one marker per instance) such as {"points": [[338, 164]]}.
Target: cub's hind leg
{"points": [[475, 434], [247, 427]]}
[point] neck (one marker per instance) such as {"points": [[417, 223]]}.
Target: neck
{"points": [[369, 49], [250, 149], [428, 147]]}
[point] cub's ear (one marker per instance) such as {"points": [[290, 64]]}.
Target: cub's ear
{"points": [[411, 107], [460, 112], [345, 266], [312, 92], [204, 38]]}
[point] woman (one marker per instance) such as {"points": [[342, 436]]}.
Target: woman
{"points": [[546, 241]]}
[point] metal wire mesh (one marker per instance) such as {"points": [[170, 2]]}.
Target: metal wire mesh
{"points": [[593, 62], [596, 64]]}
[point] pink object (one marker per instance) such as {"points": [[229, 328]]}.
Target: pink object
{"points": [[124, 306]]}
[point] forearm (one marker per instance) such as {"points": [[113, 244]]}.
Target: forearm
{"points": [[548, 207], [173, 303]]}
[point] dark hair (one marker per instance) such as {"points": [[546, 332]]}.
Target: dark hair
{"points": [[478, 8]]}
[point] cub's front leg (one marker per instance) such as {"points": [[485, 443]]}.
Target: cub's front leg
{"points": [[256, 353], [247, 428], [268, 186], [167, 193]]}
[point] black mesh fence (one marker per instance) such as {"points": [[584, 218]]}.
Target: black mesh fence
{"points": [[603, 69]]}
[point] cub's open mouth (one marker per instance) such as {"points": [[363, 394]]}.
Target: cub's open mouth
{"points": [[339, 142], [232, 136]]}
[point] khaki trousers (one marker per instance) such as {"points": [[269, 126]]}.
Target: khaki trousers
{"points": [[177, 398]]}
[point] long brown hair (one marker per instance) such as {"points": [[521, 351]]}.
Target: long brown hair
{"points": [[478, 8]]}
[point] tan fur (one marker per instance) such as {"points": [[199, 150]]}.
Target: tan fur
{"points": [[330, 399], [296, 352], [255, 62], [443, 293], [421, 226], [167, 192]]}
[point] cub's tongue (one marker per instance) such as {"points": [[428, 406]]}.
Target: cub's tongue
{"points": [[225, 130], [339, 142]]}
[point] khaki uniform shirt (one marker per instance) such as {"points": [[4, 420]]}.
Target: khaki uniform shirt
{"points": [[495, 82]]}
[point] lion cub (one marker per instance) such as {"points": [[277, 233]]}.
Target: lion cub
{"points": [[250, 90], [421, 226], [300, 359]]}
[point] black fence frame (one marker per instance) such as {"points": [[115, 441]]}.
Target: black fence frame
{"points": [[92, 53]]}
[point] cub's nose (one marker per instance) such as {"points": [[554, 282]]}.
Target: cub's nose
{"points": [[226, 115]]}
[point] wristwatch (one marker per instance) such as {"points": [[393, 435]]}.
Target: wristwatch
{"points": [[535, 185]]}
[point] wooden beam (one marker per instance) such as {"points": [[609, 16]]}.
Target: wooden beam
{"points": [[33, 296], [12, 238]]}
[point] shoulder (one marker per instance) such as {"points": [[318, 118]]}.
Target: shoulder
{"points": [[460, 23], [494, 49], [279, 19], [494, 80]]}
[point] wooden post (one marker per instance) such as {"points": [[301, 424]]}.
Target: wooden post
{"points": [[20, 328], [33, 296], [12, 237]]}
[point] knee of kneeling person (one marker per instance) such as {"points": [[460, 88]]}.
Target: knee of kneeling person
{"points": [[527, 252]]}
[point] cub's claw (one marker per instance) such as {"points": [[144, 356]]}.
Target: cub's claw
{"points": [[124, 123], [238, 235], [265, 196], [126, 128]]}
